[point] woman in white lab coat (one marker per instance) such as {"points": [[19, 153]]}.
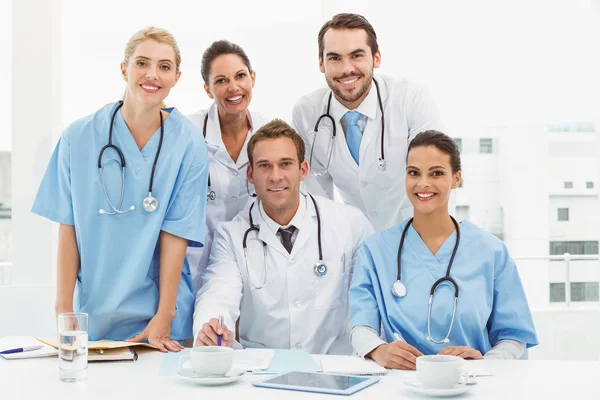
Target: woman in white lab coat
{"points": [[227, 126]]}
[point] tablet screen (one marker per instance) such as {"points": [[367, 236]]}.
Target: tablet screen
{"points": [[318, 381]]}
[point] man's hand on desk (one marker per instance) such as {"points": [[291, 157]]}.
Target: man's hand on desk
{"points": [[208, 335]]}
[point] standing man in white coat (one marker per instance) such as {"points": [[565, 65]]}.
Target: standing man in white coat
{"points": [[364, 122], [283, 265]]}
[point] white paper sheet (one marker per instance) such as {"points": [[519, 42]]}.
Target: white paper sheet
{"points": [[253, 359], [13, 342]]}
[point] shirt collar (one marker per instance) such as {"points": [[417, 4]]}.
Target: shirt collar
{"points": [[213, 127], [368, 107], [296, 220]]}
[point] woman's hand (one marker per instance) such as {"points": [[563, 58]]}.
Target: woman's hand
{"points": [[462, 351], [398, 355], [158, 333]]}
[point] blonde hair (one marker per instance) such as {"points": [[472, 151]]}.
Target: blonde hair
{"points": [[157, 34]]}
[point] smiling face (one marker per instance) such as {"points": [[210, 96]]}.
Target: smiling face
{"points": [[276, 174], [150, 73], [230, 84], [429, 179], [347, 62]]}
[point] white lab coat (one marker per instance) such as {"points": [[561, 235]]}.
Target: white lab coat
{"points": [[295, 308], [408, 110], [228, 181]]}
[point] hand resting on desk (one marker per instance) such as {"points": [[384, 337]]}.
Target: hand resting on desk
{"points": [[398, 355]]}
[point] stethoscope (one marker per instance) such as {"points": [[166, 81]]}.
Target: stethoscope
{"points": [[150, 204], [211, 195], [399, 290], [320, 268], [381, 163]]}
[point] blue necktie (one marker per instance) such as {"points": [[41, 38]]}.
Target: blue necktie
{"points": [[353, 134]]}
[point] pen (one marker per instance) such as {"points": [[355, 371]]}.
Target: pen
{"points": [[220, 326], [398, 337], [21, 349]]}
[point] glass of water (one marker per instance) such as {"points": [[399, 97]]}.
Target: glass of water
{"points": [[72, 346]]}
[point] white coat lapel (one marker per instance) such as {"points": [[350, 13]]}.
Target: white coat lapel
{"points": [[322, 139], [372, 131], [215, 140], [308, 227]]}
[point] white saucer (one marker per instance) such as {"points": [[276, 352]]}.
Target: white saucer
{"points": [[417, 386], [212, 380]]}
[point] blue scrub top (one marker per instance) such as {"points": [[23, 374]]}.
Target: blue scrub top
{"points": [[491, 303], [118, 281]]}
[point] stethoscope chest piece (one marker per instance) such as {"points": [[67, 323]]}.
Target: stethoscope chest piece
{"points": [[150, 204], [320, 269], [398, 289], [212, 195], [381, 164]]}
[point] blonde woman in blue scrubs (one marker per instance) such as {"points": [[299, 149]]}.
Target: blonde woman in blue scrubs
{"points": [[127, 185]]}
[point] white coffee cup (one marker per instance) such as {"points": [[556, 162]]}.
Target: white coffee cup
{"points": [[209, 360], [440, 372]]}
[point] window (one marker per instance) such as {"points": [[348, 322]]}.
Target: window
{"points": [[568, 185], [458, 142], [462, 212], [589, 185], [574, 247], [485, 146], [580, 291], [563, 214]]}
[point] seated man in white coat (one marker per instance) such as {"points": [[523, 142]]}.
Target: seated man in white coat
{"points": [[283, 265]]}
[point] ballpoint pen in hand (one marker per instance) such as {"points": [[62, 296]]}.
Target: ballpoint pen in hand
{"points": [[21, 349], [398, 337], [220, 326]]}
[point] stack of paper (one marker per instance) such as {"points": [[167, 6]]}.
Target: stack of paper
{"points": [[16, 342], [351, 365]]}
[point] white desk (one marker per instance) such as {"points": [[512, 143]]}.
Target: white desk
{"points": [[38, 379]]}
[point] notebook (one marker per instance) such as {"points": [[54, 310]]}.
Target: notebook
{"points": [[118, 354], [14, 342], [351, 365], [99, 344]]}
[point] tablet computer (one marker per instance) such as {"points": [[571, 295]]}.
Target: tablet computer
{"points": [[318, 382]]}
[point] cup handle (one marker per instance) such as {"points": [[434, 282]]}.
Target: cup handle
{"points": [[182, 360], [466, 377]]}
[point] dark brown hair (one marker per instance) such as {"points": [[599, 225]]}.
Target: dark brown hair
{"points": [[349, 21], [274, 130], [217, 49], [440, 141]]}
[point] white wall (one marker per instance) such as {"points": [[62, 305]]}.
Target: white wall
{"points": [[280, 39]]}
